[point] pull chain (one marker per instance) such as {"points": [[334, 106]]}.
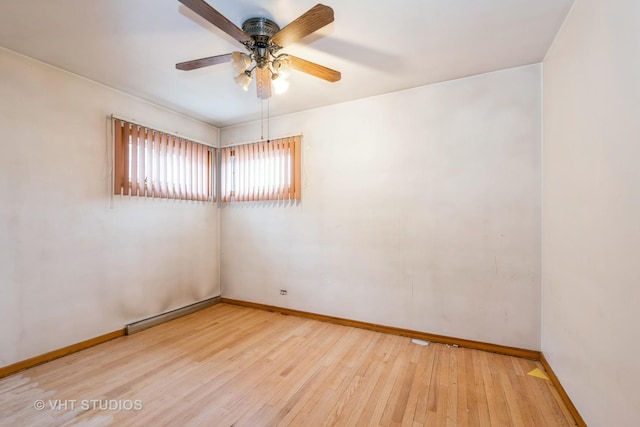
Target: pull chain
{"points": [[262, 120]]}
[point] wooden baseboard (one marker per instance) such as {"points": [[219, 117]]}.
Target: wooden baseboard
{"points": [[561, 391], [5, 371], [477, 345]]}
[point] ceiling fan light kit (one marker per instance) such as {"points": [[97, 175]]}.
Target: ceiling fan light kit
{"points": [[243, 80], [263, 54], [280, 85], [263, 39], [240, 61]]}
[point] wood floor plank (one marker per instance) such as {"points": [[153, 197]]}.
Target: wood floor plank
{"points": [[408, 413], [370, 376], [472, 404], [426, 378], [375, 409], [480, 390], [454, 387], [462, 397], [229, 365]]}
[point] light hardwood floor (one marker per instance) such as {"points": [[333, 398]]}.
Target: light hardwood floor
{"points": [[230, 365]]}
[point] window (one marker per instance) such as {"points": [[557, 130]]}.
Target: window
{"points": [[150, 163], [261, 171]]}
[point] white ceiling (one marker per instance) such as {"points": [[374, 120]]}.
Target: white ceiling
{"points": [[379, 46]]}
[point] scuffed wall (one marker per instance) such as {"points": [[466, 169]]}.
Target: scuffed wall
{"points": [[420, 209], [73, 263]]}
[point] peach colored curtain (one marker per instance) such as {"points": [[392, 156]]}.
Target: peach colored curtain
{"points": [[261, 171], [150, 163]]}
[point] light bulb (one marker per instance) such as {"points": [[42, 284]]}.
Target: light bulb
{"points": [[280, 85], [240, 61], [282, 67], [244, 80]]}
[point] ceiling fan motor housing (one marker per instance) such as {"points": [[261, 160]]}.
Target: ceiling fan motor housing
{"points": [[261, 30]]}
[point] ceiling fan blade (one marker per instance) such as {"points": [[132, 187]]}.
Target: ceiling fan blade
{"points": [[314, 19], [263, 83], [314, 69], [216, 18], [203, 62]]}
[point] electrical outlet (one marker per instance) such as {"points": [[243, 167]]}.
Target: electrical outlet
{"points": [[283, 291]]}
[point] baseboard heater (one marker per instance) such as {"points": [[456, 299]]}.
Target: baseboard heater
{"points": [[143, 324]]}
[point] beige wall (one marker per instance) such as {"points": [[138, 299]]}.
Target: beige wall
{"points": [[71, 266], [591, 234], [420, 209], [436, 227]]}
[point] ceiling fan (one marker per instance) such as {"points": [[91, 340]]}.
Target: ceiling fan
{"points": [[263, 39]]}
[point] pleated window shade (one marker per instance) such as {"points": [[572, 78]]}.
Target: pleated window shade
{"points": [[261, 171], [150, 163]]}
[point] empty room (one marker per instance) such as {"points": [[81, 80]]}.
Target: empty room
{"points": [[260, 213]]}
